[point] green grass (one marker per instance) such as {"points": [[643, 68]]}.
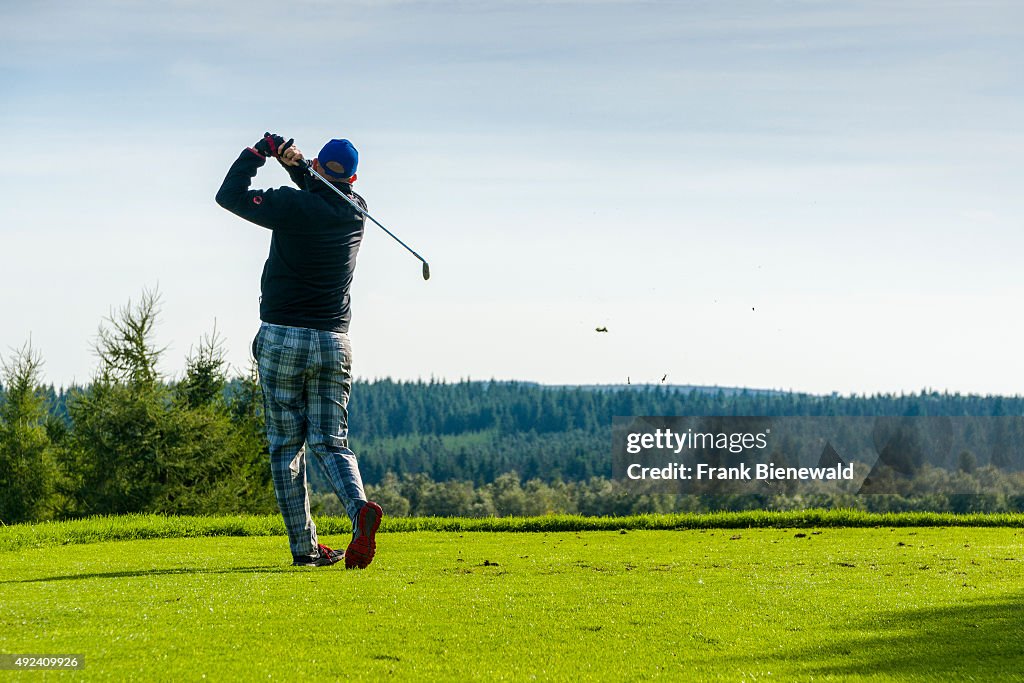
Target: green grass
{"points": [[136, 527], [749, 604]]}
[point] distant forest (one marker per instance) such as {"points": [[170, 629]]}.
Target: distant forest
{"points": [[134, 440], [478, 430]]}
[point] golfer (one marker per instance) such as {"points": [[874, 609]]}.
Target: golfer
{"points": [[302, 348]]}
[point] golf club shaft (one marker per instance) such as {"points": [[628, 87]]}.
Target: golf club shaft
{"points": [[355, 205]]}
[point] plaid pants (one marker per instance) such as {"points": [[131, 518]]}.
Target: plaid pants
{"points": [[306, 377]]}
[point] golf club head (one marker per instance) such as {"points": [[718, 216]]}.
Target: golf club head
{"points": [[426, 271]]}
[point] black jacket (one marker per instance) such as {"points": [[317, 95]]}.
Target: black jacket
{"points": [[316, 235]]}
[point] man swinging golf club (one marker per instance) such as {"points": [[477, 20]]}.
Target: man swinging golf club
{"points": [[302, 348]]}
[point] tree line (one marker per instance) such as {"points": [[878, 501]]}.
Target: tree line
{"points": [[509, 495], [131, 441], [136, 441]]}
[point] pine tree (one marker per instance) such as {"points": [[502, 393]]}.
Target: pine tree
{"points": [[27, 469], [119, 423]]}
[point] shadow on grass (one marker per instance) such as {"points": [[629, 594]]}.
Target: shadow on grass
{"points": [[180, 571], [980, 639]]}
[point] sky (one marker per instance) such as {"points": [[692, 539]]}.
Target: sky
{"points": [[809, 196]]}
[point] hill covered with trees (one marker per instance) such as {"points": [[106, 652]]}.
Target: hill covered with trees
{"points": [[135, 441]]}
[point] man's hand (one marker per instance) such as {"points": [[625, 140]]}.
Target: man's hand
{"points": [[271, 145], [290, 155]]}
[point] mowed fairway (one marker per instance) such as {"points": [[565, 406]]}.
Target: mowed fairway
{"points": [[732, 605]]}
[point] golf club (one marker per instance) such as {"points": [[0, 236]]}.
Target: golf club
{"points": [[355, 205]]}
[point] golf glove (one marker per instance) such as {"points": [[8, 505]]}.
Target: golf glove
{"points": [[272, 145]]}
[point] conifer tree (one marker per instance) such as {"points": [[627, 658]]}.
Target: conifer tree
{"points": [[27, 469]]}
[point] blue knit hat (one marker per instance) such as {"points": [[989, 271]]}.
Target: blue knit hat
{"points": [[342, 153]]}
